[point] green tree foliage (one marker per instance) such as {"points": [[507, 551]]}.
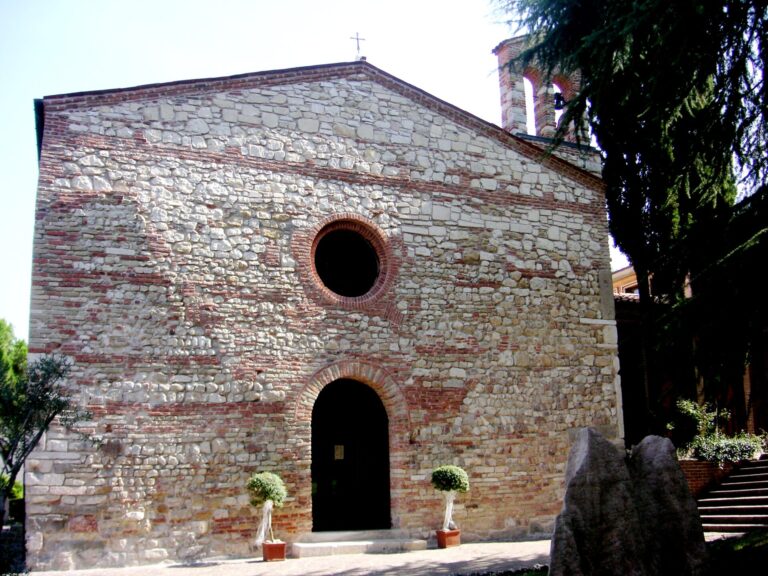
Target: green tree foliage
{"points": [[267, 486], [450, 478], [728, 312], [653, 67], [31, 397], [698, 432], [13, 353], [675, 96], [691, 420], [17, 490]]}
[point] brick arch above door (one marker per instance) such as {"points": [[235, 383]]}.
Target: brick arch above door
{"points": [[368, 373]]}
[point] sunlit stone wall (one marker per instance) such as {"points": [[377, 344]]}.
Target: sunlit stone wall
{"points": [[173, 266]]}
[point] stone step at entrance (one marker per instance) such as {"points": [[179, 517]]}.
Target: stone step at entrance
{"points": [[355, 542], [740, 502]]}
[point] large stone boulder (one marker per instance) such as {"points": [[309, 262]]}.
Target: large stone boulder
{"points": [[626, 518], [598, 530], [674, 538]]}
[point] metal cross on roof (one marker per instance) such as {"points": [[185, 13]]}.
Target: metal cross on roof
{"points": [[357, 39]]}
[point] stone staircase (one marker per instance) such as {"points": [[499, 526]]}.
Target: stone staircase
{"points": [[740, 502], [354, 542]]}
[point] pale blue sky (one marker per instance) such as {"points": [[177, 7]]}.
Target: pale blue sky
{"points": [[58, 46]]}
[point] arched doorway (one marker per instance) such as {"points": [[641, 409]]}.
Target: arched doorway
{"points": [[350, 459]]}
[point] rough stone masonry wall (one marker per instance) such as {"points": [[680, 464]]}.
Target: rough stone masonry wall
{"points": [[172, 265]]}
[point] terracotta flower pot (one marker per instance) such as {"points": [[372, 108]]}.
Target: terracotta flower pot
{"points": [[447, 538], [273, 551]]}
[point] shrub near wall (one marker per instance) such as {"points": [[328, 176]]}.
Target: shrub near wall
{"points": [[706, 455], [720, 449]]}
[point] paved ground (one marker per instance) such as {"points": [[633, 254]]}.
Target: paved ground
{"points": [[464, 559]]}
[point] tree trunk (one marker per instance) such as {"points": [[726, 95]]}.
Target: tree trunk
{"points": [[5, 494], [647, 322], [266, 523], [3, 502], [448, 518]]}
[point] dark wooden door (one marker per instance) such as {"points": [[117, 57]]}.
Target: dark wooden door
{"points": [[350, 459]]}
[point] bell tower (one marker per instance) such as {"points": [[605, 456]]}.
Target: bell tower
{"points": [[514, 107]]}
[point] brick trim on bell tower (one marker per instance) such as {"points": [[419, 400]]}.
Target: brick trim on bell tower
{"points": [[512, 85]]}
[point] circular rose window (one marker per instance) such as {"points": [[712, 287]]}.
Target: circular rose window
{"points": [[348, 258]]}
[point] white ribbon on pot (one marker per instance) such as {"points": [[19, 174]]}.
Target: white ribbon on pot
{"points": [[448, 518], [266, 523]]}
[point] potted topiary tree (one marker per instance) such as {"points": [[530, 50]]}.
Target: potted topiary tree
{"points": [[267, 490], [450, 480]]}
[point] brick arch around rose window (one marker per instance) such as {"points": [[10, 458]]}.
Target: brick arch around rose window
{"points": [[299, 425], [389, 248]]}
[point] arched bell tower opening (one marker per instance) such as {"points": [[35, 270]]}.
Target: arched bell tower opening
{"points": [[350, 459]]}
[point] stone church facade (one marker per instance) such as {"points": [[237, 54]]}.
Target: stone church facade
{"points": [[323, 272]]}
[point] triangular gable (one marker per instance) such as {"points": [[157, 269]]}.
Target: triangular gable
{"points": [[361, 69]]}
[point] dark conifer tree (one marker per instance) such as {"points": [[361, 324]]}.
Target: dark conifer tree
{"points": [[676, 98]]}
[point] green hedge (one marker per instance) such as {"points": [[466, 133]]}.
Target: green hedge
{"points": [[697, 431], [718, 448]]}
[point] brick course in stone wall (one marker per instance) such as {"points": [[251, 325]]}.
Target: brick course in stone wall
{"points": [[173, 265]]}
